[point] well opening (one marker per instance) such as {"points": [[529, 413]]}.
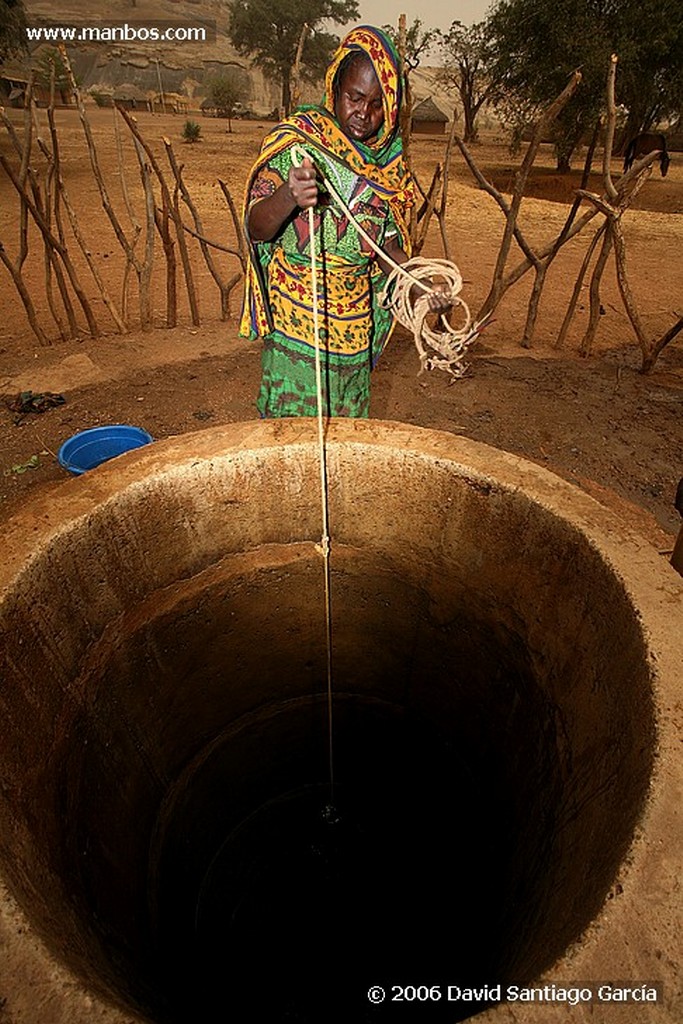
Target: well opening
{"points": [[165, 752]]}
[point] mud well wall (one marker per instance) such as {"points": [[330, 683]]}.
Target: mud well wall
{"points": [[164, 755]]}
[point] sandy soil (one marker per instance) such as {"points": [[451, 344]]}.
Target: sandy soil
{"points": [[597, 421]]}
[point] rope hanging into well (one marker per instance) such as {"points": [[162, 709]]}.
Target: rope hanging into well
{"points": [[448, 347], [324, 547]]}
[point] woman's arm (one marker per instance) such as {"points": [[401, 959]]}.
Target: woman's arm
{"points": [[300, 191]]}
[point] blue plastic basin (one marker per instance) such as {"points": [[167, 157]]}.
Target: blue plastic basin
{"points": [[89, 448]]}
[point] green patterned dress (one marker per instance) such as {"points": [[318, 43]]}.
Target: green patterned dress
{"points": [[349, 316]]}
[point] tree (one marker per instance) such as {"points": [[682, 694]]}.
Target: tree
{"points": [[535, 46], [419, 41], [12, 28], [225, 92], [465, 60], [650, 77], [269, 31]]}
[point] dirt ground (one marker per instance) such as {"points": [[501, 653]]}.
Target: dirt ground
{"points": [[595, 421]]}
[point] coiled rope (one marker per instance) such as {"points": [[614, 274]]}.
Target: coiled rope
{"points": [[448, 345]]}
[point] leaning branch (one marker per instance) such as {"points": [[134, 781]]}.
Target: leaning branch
{"points": [[441, 211], [24, 295], [224, 287], [610, 190], [424, 214], [491, 190], [498, 286], [295, 76], [95, 164], [661, 343], [75, 226], [208, 241], [57, 245]]}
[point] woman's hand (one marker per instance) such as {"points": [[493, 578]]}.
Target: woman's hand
{"points": [[302, 184], [300, 191], [438, 298]]}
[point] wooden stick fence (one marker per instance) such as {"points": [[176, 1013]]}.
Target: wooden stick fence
{"points": [[43, 200], [44, 197]]}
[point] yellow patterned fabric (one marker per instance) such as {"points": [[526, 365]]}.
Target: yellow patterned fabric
{"points": [[375, 183], [316, 131], [344, 323]]}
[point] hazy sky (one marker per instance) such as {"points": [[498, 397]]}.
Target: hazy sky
{"points": [[432, 14]]}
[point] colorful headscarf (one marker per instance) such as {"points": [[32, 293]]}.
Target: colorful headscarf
{"points": [[380, 162], [385, 62]]}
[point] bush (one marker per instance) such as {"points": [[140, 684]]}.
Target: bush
{"points": [[191, 132]]}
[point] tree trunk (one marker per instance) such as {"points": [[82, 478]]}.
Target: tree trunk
{"points": [[470, 117], [286, 92]]}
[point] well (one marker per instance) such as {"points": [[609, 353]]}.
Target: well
{"points": [[505, 663]]}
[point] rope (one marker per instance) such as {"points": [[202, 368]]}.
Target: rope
{"points": [[324, 547], [448, 344]]}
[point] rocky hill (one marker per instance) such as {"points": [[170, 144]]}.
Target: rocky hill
{"points": [[179, 67]]}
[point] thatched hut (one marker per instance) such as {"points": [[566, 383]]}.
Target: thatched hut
{"points": [[428, 119], [130, 97], [13, 84], [169, 103], [16, 72]]}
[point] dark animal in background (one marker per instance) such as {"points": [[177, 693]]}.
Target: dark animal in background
{"points": [[645, 143]]}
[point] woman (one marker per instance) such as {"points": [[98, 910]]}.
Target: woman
{"points": [[352, 139]]}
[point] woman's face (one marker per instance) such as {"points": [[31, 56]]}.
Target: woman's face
{"points": [[358, 107]]}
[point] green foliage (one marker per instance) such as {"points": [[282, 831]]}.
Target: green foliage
{"points": [[12, 28], [535, 46], [269, 31], [650, 70], [465, 60], [419, 41], [22, 467], [191, 131], [225, 92]]}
